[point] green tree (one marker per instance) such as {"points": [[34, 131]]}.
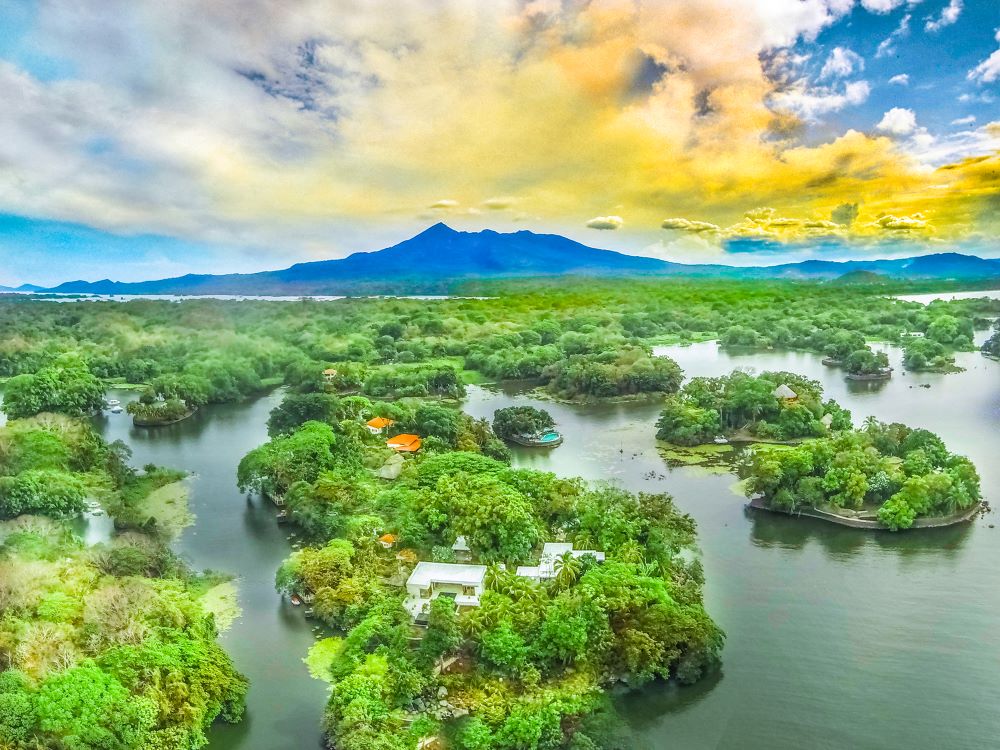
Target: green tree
{"points": [[67, 387]]}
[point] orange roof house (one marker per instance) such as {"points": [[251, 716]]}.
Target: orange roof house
{"points": [[378, 424], [387, 540], [329, 374], [404, 443]]}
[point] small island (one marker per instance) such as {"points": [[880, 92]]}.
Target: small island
{"points": [[739, 407], [151, 412], [864, 364], [883, 476], [526, 425]]}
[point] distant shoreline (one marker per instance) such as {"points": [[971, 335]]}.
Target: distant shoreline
{"points": [[926, 522]]}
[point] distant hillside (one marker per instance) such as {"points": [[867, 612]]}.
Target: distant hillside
{"points": [[435, 260], [860, 277]]}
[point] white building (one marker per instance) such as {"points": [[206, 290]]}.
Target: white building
{"points": [[429, 580], [551, 551], [461, 549]]}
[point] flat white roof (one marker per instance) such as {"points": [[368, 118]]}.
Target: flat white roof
{"points": [[427, 573], [555, 549]]}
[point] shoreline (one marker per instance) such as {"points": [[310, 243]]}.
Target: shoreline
{"points": [[927, 522]]}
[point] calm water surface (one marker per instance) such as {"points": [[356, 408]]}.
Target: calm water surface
{"points": [[837, 638]]}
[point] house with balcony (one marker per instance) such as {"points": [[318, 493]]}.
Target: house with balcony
{"points": [[429, 580]]}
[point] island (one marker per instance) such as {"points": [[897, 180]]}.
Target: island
{"points": [[740, 407], [526, 425], [476, 602], [806, 458], [882, 476], [159, 412]]}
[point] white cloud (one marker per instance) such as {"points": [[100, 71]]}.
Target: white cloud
{"points": [[445, 203], [903, 79], [842, 63], [954, 147], [887, 46], [809, 103], [967, 120], [881, 6], [949, 14], [898, 121], [605, 222], [989, 69]]}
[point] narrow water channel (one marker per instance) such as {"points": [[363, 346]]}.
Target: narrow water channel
{"points": [[239, 536], [837, 638]]}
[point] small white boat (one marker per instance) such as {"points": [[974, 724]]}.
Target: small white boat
{"points": [[720, 440], [116, 410], [114, 402]]}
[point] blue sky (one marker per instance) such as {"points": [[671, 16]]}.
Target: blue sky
{"points": [[143, 139]]}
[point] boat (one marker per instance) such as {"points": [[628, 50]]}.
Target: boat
{"points": [[282, 516], [116, 410], [295, 599], [720, 440], [114, 402]]}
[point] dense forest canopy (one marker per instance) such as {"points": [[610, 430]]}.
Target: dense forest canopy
{"points": [[896, 473], [581, 339], [744, 405], [108, 646]]}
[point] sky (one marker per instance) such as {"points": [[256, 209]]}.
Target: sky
{"points": [[141, 139]]}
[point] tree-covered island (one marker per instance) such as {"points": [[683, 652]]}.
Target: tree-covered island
{"points": [[884, 475], [743, 407], [481, 604]]}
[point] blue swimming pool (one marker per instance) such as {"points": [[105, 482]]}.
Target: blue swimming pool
{"points": [[549, 437]]}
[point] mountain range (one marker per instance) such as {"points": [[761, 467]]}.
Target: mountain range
{"points": [[433, 261]]}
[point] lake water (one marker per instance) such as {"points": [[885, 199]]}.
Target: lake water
{"points": [[925, 299], [837, 638]]}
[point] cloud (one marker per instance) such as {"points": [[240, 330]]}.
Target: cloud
{"points": [[881, 6], [842, 63], [605, 222], [687, 225], [900, 224], [967, 120], [887, 46], [498, 204], [810, 103], [949, 14], [845, 214], [903, 79], [325, 126], [988, 70], [898, 121]]}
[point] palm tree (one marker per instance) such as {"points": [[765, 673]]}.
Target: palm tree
{"points": [[495, 577], [567, 569]]}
